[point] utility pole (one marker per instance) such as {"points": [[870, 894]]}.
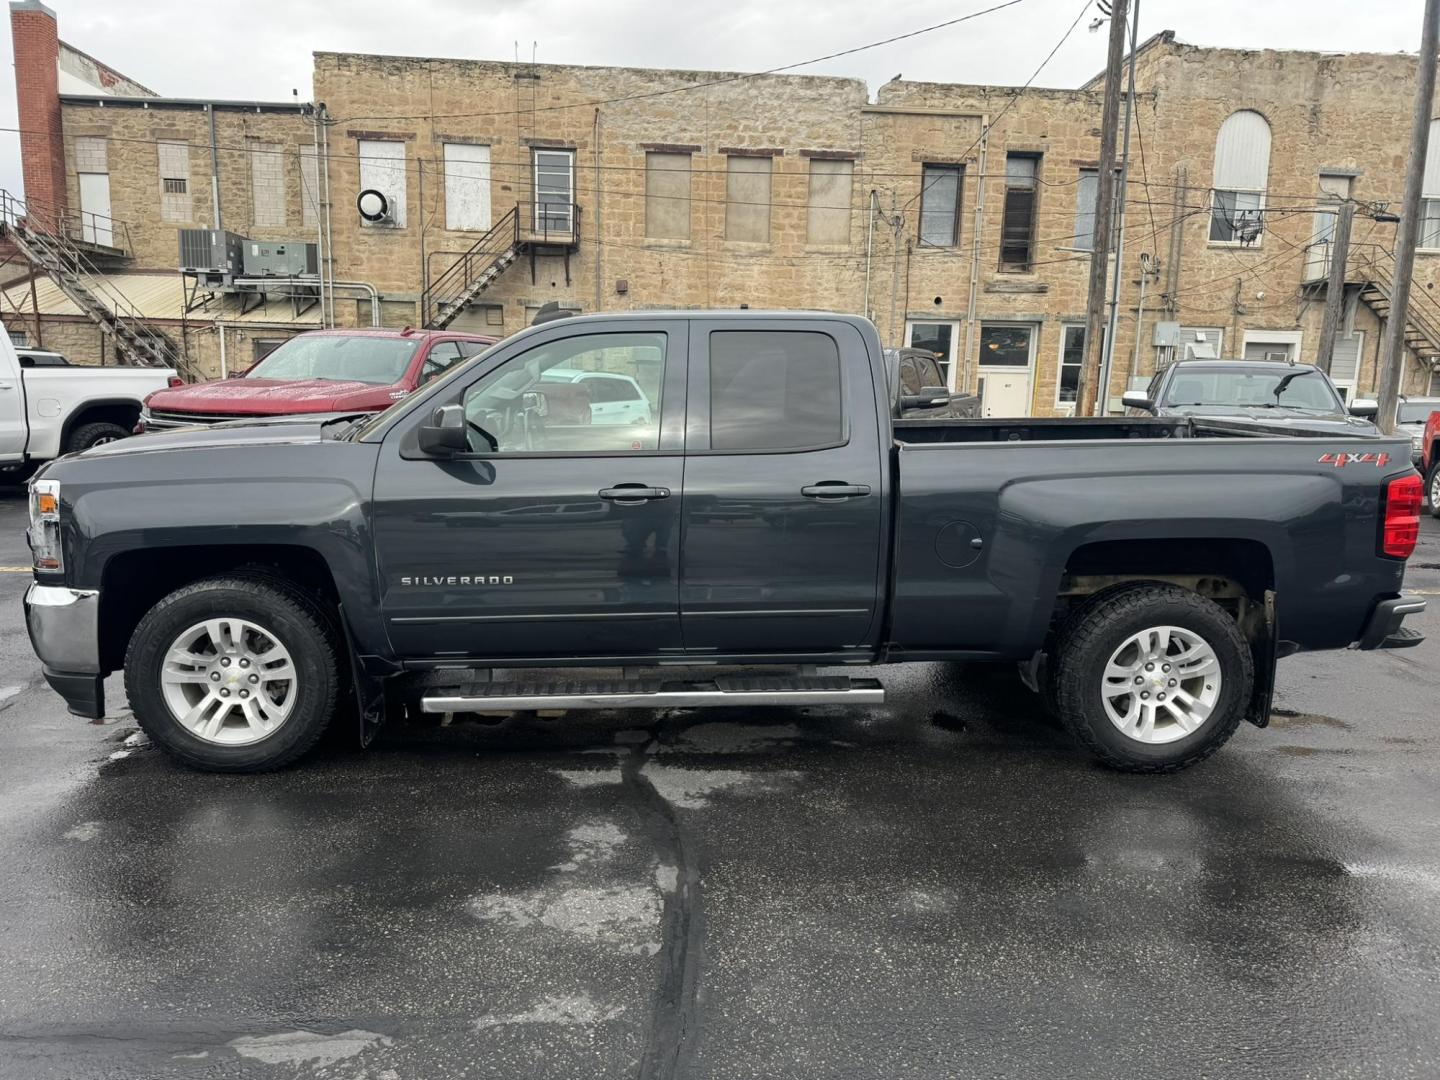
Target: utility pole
{"points": [[1392, 351], [1104, 205], [1335, 287]]}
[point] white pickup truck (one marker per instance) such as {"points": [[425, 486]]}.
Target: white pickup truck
{"points": [[51, 409]]}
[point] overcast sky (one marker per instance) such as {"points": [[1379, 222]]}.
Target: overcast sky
{"points": [[261, 49]]}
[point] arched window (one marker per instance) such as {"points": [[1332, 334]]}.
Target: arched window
{"points": [[1242, 166], [1429, 235]]}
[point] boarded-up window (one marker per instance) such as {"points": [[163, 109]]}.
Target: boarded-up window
{"points": [[940, 187], [828, 219], [667, 196], [174, 161], [1017, 226], [267, 184], [747, 199], [467, 187], [309, 188], [382, 167]]}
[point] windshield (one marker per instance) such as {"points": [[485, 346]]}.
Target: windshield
{"points": [[338, 358], [1417, 413], [1250, 389]]}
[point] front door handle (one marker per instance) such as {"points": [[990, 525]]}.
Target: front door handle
{"points": [[834, 489], [633, 494]]}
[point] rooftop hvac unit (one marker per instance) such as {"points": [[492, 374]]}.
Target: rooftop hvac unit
{"points": [[281, 259], [213, 254]]}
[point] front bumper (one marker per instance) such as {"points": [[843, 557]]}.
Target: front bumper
{"points": [[1383, 630], [64, 627]]}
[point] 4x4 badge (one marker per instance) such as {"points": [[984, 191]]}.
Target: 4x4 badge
{"points": [[1344, 458]]}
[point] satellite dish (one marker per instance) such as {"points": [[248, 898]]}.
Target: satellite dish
{"points": [[373, 205]]}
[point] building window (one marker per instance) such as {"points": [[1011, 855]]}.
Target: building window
{"points": [[667, 196], [1072, 358], [554, 191], [827, 220], [940, 194], [382, 168], [267, 184], [1242, 169], [747, 199], [91, 155], [174, 161], [1005, 345], [467, 187], [1429, 235], [263, 347], [1017, 226], [1434, 390], [494, 314], [309, 188]]}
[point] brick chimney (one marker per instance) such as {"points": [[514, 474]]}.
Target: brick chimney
{"points": [[35, 36]]}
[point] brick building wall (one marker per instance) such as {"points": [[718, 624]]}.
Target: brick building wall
{"points": [[36, 42]]}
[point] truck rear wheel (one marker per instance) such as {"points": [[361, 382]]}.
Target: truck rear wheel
{"points": [[1153, 678], [1432, 486], [234, 674]]}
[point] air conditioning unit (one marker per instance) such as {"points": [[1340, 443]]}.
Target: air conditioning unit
{"points": [[280, 259], [214, 255]]}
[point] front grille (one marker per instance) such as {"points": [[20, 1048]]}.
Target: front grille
{"points": [[179, 419]]}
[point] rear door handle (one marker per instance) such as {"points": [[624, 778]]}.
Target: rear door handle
{"points": [[633, 494], [834, 489]]}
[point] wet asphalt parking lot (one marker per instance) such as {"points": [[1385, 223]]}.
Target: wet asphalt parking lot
{"points": [[939, 887]]}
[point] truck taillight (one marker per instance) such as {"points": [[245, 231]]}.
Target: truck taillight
{"points": [[1400, 530]]}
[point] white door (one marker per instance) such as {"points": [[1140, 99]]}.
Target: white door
{"points": [[95, 208], [1007, 359], [12, 404], [554, 191], [940, 338]]}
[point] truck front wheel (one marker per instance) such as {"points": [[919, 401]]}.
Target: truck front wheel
{"points": [[1153, 679], [234, 674]]}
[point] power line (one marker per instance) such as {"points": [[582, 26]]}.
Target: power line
{"points": [[693, 86]]}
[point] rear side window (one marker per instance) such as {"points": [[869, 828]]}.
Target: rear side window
{"points": [[774, 390]]}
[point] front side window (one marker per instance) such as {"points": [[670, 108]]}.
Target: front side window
{"points": [[439, 360], [379, 361], [774, 390], [535, 403]]}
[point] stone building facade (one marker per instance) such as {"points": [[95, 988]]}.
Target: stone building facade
{"points": [[959, 217]]}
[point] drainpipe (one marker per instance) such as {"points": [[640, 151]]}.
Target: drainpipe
{"points": [[1102, 400], [599, 245], [1139, 318], [869, 247], [220, 329], [328, 269], [214, 166], [963, 384], [319, 221]]}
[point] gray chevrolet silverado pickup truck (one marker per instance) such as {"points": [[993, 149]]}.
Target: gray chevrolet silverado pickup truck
{"points": [[768, 525]]}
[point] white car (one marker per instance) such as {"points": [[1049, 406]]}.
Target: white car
{"points": [[49, 409], [1410, 420], [614, 398]]}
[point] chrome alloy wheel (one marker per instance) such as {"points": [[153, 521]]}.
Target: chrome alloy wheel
{"points": [[1435, 488], [229, 682], [1161, 684], [105, 439]]}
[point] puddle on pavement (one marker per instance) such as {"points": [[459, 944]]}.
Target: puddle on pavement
{"points": [[1280, 718]]}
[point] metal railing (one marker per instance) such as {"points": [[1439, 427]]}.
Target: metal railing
{"points": [[77, 226], [461, 275], [1423, 310], [550, 221]]}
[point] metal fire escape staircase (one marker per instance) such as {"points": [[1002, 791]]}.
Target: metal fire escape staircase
{"points": [[1422, 319], [61, 244], [528, 228]]}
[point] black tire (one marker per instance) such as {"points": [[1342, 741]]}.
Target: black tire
{"points": [[295, 618], [1090, 638], [88, 435], [1432, 485]]}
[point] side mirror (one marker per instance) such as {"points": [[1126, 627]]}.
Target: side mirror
{"points": [[1364, 407], [444, 434], [930, 397], [1136, 399]]}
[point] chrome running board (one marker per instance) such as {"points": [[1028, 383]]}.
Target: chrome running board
{"points": [[642, 694]]}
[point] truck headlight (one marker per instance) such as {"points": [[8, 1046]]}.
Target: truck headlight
{"points": [[44, 532]]}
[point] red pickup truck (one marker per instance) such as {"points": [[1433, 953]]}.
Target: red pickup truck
{"points": [[318, 372], [1430, 461]]}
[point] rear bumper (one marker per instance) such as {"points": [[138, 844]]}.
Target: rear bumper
{"points": [[64, 631], [1383, 630]]}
